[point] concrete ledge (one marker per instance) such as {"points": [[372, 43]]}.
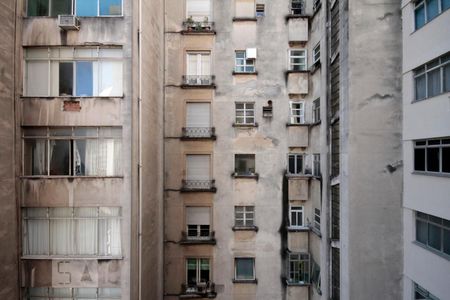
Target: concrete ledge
{"points": [[245, 281]]}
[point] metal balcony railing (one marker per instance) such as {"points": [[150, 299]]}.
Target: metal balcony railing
{"points": [[200, 289], [193, 27], [198, 132], [211, 237], [198, 80], [198, 185]]}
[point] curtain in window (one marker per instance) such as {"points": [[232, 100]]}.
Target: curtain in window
{"points": [[39, 157], [109, 232], [205, 65], [36, 238], [103, 157], [59, 157], [37, 78], [61, 232], [86, 230], [421, 89], [198, 9]]}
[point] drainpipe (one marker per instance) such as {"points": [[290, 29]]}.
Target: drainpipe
{"points": [[140, 149]]}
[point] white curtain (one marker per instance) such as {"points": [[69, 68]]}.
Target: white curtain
{"points": [[109, 237], [86, 230], [61, 232], [37, 78], [110, 83], [36, 239], [103, 157], [39, 163]]}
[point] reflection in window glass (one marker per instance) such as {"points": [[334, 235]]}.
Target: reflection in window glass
{"points": [[110, 7], [61, 7], [244, 268], [86, 8], [84, 79], [65, 78]]}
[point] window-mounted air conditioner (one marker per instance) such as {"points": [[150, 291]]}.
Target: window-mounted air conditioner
{"points": [[68, 22]]}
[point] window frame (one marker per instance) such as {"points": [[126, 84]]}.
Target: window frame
{"points": [[423, 292], [236, 278], [291, 65], [424, 3], [198, 227], [245, 64], [245, 111], [245, 218], [295, 156], [428, 220], [425, 145], [297, 113], [316, 54], [424, 71], [246, 173], [74, 10], [297, 209], [316, 165], [292, 9], [303, 268], [198, 261]]}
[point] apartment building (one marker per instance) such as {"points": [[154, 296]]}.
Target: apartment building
{"points": [[426, 149], [81, 161]]}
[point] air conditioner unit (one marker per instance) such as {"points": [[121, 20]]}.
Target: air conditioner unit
{"points": [[250, 53], [68, 22]]}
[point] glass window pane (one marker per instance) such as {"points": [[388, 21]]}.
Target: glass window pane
{"points": [[84, 78], [59, 157], [38, 8], [110, 7], [37, 237], [433, 159], [445, 4], [86, 8], [434, 82], [446, 242], [447, 77], [421, 232], [37, 78], [65, 78], [419, 159], [35, 157], [111, 79], [419, 16], [432, 9], [434, 236], [61, 7], [420, 85], [446, 159], [244, 268]]}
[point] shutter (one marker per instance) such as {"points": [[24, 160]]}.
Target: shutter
{"points": [[205, 64], [197, 215], [198, 9], [197, 115], [197, 167]]}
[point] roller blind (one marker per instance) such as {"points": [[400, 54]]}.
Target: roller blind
{"points": [[198, 9], [197, 115], [197, 167], [197, 215]]}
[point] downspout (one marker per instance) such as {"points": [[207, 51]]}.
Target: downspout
{"points": [[140, 149]]}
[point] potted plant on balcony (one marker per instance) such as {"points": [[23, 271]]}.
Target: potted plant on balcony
{"points": [[189, 23]]}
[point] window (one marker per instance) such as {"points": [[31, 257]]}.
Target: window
{"points": [[316, 54], [316, 165], [432, 78], [198, 222], [245, 113], [244, 164], [427, 10], [198, 270], [422, 294], [296, 216], [298, 268], [433, 232], [69, 231], [244, 64], [297, 60], [49, 293], [317, 219], [297, 112], [72, 151], [316, 111], [432, 156], [295, 163], [198, 167], [335, 212], [245, 8], [81, 8], [315, 276], [316, 5], [65, 71], [198, 68], [244, 268], [198, 119], [297, 7], [198, 10], [244, 216], [260, 10]]}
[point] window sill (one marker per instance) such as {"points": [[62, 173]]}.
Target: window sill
{"points": [[297, 71], [288, 283], [441, 254], [291, 16], [313, 124], [245, 228], [299, 176], [245, 73], [297, 125], [68, 177], [198, 138], [58, 257], [245, 176], [244, 19], [198, 32], [298, 229], [198, 242], [198, 86], [245, 125], [71, 98], [245, 281], [445, 175]]}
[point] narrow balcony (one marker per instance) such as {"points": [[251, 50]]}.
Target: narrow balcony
{"points": [[198, 81], [198, 186], [203, 27], [198, 290], [204, 238], [198, 133]]}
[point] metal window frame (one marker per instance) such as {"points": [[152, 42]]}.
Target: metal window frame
{"points": [[424, 70], [198, 268], [427, 146], [441, 227], [246, 109], [245, 65], [245, 212], [295, 113], [296, 155], [303, 67]]}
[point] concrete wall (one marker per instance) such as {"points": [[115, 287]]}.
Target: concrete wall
{"points": [[9, 239], [421, 120], [371, 235]]}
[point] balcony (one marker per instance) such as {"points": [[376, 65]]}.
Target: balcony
{"points": [[209, 239], [198, 81], [198, 133], [204, 27], [199, 290], [198, 186]]}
